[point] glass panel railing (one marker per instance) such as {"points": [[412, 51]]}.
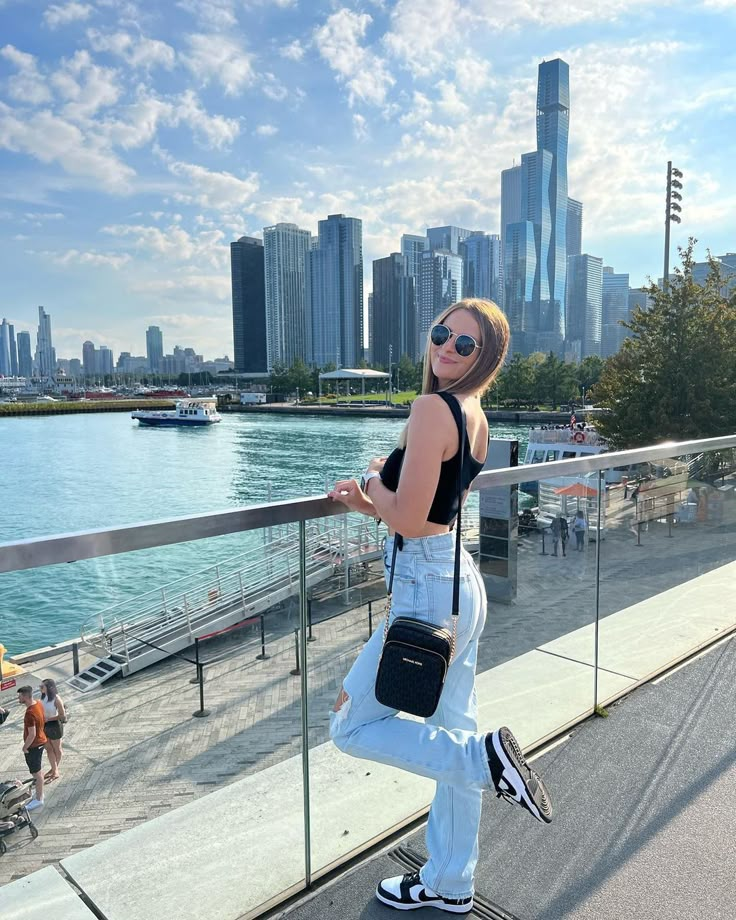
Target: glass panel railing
{"points": [[535, 661], [668, 562], [149, 731]]}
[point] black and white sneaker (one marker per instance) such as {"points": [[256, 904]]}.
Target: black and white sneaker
{"points": [[513, 778], [408, 892]]}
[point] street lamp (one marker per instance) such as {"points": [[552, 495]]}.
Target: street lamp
{"points": [[672, 214]]}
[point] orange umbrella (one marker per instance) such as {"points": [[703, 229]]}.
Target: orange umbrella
{"points": [[577, 490]]}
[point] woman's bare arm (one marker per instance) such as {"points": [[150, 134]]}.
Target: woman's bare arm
{"points": [[60, 708]]}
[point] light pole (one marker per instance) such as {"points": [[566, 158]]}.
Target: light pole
{"points": [[673, 198], [390, 360]]}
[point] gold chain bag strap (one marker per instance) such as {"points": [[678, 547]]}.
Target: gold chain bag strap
{"points": [[416, 655]]}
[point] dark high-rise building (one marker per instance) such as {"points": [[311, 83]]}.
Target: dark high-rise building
{"points": [[336, 292], [446, 238], [8, 357], [25, 356], [574, 227], [393, 311], [249, 305], [154, 347], [441, 285]]}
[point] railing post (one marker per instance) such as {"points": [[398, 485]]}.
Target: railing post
{"points": [[310, 637], [189, 618], [242, 592], [296, 671], [201, 712], [125, 645], [597, 593], [303, 613], [75, 658], [544, 551], [370, 621], [263, 656], [163, 596], [346, 561]]}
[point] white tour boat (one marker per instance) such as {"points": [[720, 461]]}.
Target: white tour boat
{"points": [[550, 443], [189, 413]]}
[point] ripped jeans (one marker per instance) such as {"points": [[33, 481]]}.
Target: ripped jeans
{"points": [[446, 747]]}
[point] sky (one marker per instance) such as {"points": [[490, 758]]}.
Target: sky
{"points": [[137, 140]]}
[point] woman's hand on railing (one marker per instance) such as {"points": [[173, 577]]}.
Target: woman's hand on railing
{"points": [[349, 493]]}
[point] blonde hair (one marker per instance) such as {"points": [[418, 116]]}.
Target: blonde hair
{"points": [[494, 335]]}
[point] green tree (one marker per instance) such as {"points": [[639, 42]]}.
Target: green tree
{"points": [[675, 377], [588, 373], [555, 381], [406, 374], [516, 382], [279, 380], [300, 377]]}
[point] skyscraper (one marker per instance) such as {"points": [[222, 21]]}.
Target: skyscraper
{"points": [[45, 357], [584, 306], [510, 212], [393, 314], [154, 348], [286, 261], [249, 305], [482, 269], [336, 275], [25, 356], [441, 285], [412, 247], [520, 255], [89, 360], [104, 361], [7, 335], [615, 311], [544, 203], [446, 238], [574, 227]]}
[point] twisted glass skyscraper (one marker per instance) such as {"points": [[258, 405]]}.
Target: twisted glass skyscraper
{"points": [[538, 321]]}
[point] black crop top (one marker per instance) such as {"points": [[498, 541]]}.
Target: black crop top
{"points": [[444, 505]]}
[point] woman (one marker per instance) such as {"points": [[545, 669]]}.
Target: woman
{"points": [[578, 528], [55, 717], [415, 492]]}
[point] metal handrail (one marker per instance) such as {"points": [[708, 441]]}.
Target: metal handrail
{"points": [[41, 551]]}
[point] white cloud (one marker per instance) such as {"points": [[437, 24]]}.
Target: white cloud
{"points": [[423, 36], [360, 127], [421, 109], [219, 191], [293, 51], [57, 15], [173, 243], [43, 215], [223, 60], [450, 103], [21, 236], [273, 88], [85, 86], [214, 14], [267, 130], [52, 139], [28, 85], [215, 131], [363, 72], [137, 51], [88, 258]]}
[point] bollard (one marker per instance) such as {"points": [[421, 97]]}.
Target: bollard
{"points": [[297, 670], [75, 658], [638, 533], [201, 712], [544, 551], [263, 656], [310, 637], [669, 525]]}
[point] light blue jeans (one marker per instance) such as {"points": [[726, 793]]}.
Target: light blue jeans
{"points": [[446, 747]]}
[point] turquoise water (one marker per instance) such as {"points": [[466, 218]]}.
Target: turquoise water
{"points": [[70, 473]]}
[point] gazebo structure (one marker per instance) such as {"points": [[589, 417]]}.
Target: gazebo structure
{"points": [[349, 373]]}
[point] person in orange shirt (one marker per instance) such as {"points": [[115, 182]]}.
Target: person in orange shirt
{"points": [[34, 739]]}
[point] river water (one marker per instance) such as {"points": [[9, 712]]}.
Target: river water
{"points": [[71, 473]]}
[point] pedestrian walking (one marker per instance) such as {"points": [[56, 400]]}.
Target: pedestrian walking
{"points": [[34, 740], [579, 526], [415, 491], [55, 718]]}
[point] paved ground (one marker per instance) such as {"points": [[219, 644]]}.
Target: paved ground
{"points": [[133, 749], [643, 828]]}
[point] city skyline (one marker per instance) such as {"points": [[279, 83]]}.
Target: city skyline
{"points": [[132, 157]]}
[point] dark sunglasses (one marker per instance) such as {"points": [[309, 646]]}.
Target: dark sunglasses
{"points": [[465, 345]]}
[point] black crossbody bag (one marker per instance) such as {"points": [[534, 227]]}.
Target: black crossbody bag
{"points": [[416, 655]]}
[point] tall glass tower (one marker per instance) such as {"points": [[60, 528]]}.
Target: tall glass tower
{"points": [[45, 355], [539, 323], [288, 320]]}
